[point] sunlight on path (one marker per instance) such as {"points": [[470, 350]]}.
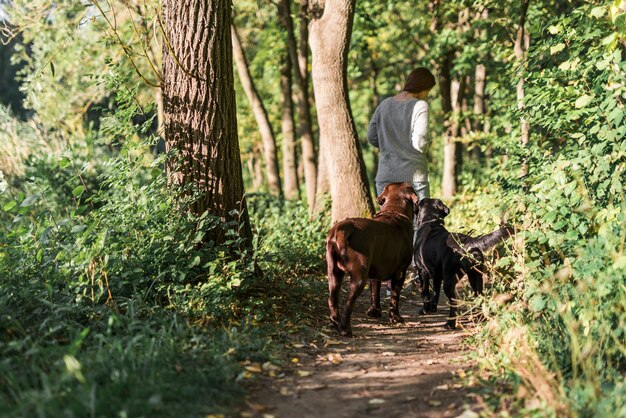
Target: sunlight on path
{"points": [[384, 371]]}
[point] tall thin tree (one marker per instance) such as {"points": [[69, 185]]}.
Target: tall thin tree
{"points": [[260, 114], [298, 54], [290, 169], [199, 108], [329, 38]]}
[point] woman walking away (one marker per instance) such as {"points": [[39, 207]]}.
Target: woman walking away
{"points": [[399, 129]]}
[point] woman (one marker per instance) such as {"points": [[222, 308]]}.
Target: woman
{"points": [[399, 128]]}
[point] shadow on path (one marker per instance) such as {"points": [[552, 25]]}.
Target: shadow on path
{"points": [[386, 370]]}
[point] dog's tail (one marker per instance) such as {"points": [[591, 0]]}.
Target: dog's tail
{"points": [[482, 242], [337, 244]]}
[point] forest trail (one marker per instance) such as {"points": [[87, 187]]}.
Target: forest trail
{"points": [[411, 370]]}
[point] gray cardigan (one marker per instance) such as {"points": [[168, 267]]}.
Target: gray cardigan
{"points": [[400, 130]]}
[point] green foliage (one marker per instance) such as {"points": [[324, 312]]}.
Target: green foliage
{"points": [[560, 337], [112, 302]]}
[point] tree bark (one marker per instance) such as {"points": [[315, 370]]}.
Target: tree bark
{"points": [[260, 114], [522, 40], [480, 81], [330, 30], [292, 188], [448, 183], [199, 114], [298, 56]]}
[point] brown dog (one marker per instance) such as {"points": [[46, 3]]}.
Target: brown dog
{"points": [[378, 249]]}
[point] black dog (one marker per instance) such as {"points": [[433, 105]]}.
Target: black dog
{"points": [[447, 257]]}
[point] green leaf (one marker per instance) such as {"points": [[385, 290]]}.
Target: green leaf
{"points": [[598, 12], [537, 303], [64, 162], [79, 190], [9, 205], [29, 201], [557, 48], [195, 261], [583, 101]]}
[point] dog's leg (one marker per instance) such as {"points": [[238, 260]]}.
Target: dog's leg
{"points": [[397, 281], [358, 279], [375, 311], [430, 305], [449, 287], [427, 296], [335, 277]]}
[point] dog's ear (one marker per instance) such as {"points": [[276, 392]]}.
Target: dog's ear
{"points": [[381, 199], [415, 200], [443, 208]]}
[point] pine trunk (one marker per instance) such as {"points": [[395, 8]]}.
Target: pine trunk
{"points": [[330, 31], [260, 114], [199, 114]]}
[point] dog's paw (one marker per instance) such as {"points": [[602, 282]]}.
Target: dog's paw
{"points": [[345, 332], [428, 308], [374, 312], [450, 324], [395, 318]]}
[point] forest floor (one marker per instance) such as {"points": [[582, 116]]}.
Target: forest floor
{"points": [[409, 370]]}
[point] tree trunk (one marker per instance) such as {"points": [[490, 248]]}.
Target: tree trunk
{"points": [[522, 39], [448, 183], [199, 109], [260, 114], [298, 59], [480, 80], [323, 184], [330, 31], [452, 151], [292, 189]]}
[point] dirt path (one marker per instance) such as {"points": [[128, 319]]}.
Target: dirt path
{"points": [[384, 371]]}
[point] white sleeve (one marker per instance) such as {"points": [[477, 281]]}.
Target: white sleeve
{"points": [[419, 126]]}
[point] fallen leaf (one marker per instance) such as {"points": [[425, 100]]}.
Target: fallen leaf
{"points": [[376, 401], [285, 391], [257, 407], [269, 367], [298, 345], [442, 387], [304, 373], [335, 358], [268, 416], [434, 402], [215, 416], [254, 368], [295, 360], [388, 353], [468, 413]]}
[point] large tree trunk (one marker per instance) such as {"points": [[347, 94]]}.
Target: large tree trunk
{"points": [[260, 114], [199, 109], [292, 189], [298, 59], [330, 31], [522, 39]]}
